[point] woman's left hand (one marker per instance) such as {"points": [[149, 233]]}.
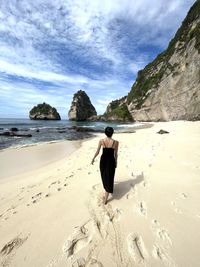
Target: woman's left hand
{"points": [[92, 162]]}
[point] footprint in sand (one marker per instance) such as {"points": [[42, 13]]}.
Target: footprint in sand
{"points": [[145, 183], [37, 195], [68, 177], [183, 195], [9, 249], [134, 189], [11, 245], [137, 248], [79, 239], [161, 254], [142, 208], [117, 213], [176, 209], [158, 253], [81, 262], [8, 212], [35, 198], [95, 187], [161, 233], [129, 196]]}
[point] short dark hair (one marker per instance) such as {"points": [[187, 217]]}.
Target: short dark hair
{"points": [[109, 131]]}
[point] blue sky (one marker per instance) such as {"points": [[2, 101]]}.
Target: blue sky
{"points": [[49, 49]]}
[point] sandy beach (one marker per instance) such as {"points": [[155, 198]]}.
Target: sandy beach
{"points": [[52, 214]]}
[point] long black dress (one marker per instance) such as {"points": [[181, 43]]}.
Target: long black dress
{"points": [[107, 168]]}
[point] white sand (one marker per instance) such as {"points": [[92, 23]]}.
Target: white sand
{"points": [[54, 216], [14, 161]]}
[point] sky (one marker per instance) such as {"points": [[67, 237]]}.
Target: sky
{"points": [[50, 49]]}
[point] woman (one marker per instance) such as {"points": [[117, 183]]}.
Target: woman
{"points": [[108, 161]]}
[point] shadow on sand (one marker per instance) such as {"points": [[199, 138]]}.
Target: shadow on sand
{"points": [[122, 188]]}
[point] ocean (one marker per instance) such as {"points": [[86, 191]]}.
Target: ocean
{"points": [[46, 131]]}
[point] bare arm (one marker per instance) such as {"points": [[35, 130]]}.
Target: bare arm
{"points": [[97, 152], [116, 152]]}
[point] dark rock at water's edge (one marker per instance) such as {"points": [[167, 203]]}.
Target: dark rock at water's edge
{"points": [[81, 107], [86, 129], [80, 129], [13, 133], [14, 129], [162, 132], [44, 112], [169, 88]]}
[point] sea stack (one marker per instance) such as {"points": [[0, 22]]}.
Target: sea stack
{"points": [[44, 112], [81, 107]]}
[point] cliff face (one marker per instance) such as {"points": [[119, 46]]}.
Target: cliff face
{"points": [[81, 107], [117, 111], [44, 112], [169, 87]]}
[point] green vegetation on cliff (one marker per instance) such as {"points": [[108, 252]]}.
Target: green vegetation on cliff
{"points": [[151, 75], [118, 111]]}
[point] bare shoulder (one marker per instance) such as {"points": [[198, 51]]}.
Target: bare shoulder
{"points": [[101, 141], [116, 143]]}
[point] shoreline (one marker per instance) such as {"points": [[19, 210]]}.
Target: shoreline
{"points": [[36, 155], [21, 159], [9, 138]]}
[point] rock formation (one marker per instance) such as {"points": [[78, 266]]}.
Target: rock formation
{"points": [[117, 111], [44, 112], [81, 107], [169, 87]]}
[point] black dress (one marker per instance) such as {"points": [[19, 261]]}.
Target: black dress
{"points": [[107, 168]]}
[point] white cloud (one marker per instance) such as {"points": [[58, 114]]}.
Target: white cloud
{"points": [[93, 45]]}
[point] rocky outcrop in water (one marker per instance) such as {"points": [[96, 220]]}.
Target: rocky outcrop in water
{"points": [[14, 133], [81, 107], [44, 112], [169, 87]]}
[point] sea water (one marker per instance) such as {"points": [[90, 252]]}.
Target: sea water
{"points": [[46, 130]]}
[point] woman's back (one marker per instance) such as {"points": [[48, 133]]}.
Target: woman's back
{"points": [[108, 143]]}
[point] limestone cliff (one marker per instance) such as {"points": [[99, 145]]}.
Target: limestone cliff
{"points": [[117, 111], [169, 87], [81, 107], [44, 112]]}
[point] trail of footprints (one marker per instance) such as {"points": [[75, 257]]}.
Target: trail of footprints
{"points": [[25, 192], [103, 225], [100, 228], [22, 195], [174, 204]]}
